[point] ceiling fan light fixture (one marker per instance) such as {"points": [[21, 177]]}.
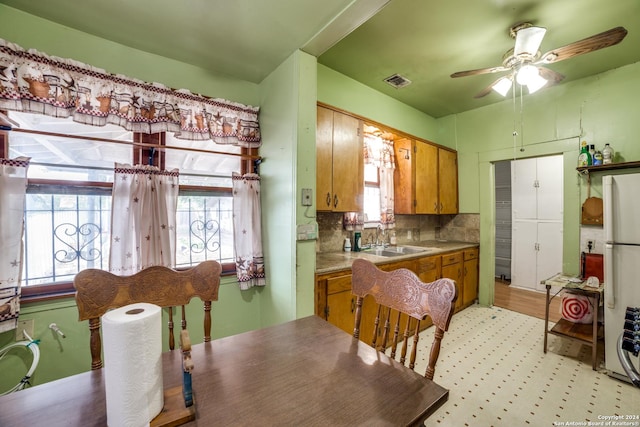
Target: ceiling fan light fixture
{"points": [[536, 83], [527, 73], [503, 85]]}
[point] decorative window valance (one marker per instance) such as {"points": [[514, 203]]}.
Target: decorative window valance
{"points": [[33, 82]]}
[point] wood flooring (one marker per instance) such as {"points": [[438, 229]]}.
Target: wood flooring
{"points": [[525, 301]]}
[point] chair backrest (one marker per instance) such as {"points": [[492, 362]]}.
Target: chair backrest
{"points": [[98, 291], [402, 299]]}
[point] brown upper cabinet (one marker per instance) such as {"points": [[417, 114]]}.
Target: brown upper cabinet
{"points": [[427, 181], [339, 162]]}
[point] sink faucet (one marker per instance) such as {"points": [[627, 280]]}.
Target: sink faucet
{"points": [[379, 231]]}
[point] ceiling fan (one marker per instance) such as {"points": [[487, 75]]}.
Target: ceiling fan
{"points": [[525, 64]]}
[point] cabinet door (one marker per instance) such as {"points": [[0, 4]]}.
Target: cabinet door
{"points": [[404, 176], [523, 254], [429, 269], [470, 288], [550, 189], [523, 189], [348, 164], [426, 167], [447, 181], [324, 156], [454, 272], [341, 307], [549, 257]]}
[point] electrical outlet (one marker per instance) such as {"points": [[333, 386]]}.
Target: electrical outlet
{"points": [[27, 326], [306, 197]]}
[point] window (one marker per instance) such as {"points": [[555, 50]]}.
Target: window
{"points": [[68, 203], [371, 196]]}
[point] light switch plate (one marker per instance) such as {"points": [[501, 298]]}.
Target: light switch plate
{"points": [[306, 197]]}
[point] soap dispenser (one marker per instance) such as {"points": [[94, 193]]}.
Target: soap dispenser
{"points": [[347, 245]]}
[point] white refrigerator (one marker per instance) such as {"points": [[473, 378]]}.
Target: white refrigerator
{"points": [[621, 259]]}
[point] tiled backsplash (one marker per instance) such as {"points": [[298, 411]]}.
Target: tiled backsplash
{"points": [[409, 229]]}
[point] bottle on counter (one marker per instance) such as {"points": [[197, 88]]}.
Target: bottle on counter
{"points": [[607, 155], [357, 241], [347, 245], [584, 158]]}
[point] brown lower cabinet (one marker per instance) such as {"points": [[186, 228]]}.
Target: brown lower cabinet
{"points": [[335, 302]]}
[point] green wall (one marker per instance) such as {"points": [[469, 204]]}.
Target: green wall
{"points": [[286, 98], [342, 92]]}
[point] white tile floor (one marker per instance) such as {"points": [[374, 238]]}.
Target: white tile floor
{"points": [[493, 364]]}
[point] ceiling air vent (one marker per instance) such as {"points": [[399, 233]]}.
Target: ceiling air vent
{"points": [[397, 81]]}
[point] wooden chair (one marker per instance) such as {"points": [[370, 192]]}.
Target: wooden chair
{"points": [[98, 291], [402, 299]]}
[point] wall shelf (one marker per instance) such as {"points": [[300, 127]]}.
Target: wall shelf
{"points": [[610, 166]]}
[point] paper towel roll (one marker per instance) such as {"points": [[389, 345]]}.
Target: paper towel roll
{"points": [[132, 337]]}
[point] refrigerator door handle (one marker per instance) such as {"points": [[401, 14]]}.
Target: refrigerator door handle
{"points": [[608, 276], [607, 190]]}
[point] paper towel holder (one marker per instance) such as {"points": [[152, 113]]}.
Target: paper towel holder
{"points": [[179, 405]]}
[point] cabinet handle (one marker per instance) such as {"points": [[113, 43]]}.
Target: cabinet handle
{"points": [[335, 200], [328, 199], [435, 206], [465, 271], [441, 207]]}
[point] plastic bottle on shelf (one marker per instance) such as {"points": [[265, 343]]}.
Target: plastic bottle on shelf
{"points": [[592, 151], [597, 158], [584, 158], [607, 155]]}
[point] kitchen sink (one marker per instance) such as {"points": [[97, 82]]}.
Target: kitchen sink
{"points": [[391, 251]]}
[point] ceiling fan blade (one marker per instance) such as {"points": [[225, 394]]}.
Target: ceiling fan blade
{"points": [[552, 77], [479, 71], [590, 44], [528, 40]]}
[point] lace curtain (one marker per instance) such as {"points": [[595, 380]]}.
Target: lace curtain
{"points": [[33, 82], [13, 186], [379, 152], [143, 218], [247, 231]]}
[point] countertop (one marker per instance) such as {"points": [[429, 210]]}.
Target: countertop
{"points": [[329, 262]]}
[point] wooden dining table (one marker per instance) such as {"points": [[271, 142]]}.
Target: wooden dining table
{"points": [[305, 372]]}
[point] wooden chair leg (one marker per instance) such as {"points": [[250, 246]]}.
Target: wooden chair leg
{"points": [[435, 352], [207, 321], [95, 343], [183, 324], [171, 338]]}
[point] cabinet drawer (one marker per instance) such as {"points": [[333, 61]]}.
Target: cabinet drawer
{"points": [[410, 265], [339, 284], [470, 254], [428, 264], [453, 258]]}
